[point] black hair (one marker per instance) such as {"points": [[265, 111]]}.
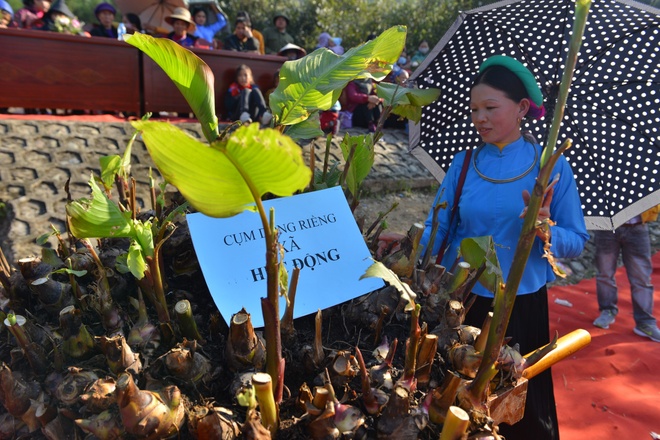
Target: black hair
{"points": [[501, 78], [243, 20], [242, 67], [134, 19], [243, 14], [195, 10]]}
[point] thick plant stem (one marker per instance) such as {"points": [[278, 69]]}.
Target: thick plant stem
{"points": [[287, 318], [581, 13], [271, 312], [269, 414], [456, 424], [34, 353], [411, 350], [187, 323], [425, 355]]}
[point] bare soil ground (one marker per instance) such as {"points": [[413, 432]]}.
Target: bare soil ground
{"points": [[412, 207]]}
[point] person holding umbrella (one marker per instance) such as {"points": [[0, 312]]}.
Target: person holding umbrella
{"points": [[497, 180]]}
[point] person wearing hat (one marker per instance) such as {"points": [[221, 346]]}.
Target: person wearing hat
{"points": [[242, 39], [292, 52], [497, 181], [30, 16], [183, 26], [276, 37], [6, 15], [105, 14], [59, 18]]}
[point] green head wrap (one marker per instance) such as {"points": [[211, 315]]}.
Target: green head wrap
{"points": [[520, 71]]}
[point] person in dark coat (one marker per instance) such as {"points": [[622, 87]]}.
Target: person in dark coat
{"points": [[105, 14], [242, 39]]}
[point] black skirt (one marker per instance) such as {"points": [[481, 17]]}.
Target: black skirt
{"points": [[529, 327]]}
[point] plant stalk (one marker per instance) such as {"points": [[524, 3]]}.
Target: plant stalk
{"points": [[269, 414], [581, 13], [187, 323]]}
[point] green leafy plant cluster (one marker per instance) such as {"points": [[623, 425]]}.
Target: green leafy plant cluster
{"points": [[233, 170]]}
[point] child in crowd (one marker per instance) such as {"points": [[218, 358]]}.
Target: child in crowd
{"points": [[184, 27], [244, 101]]}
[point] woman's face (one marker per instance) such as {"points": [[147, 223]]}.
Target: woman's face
{"points": [[243, 78], [200, 18], [495, 116]]}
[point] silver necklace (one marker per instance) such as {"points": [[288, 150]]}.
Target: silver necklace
{"points": [[510, 179]]}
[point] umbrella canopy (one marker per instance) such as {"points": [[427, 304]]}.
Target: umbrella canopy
{"points": [[151, 12], [612, 113]]}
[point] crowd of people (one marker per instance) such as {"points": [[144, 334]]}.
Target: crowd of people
{"points": [[206, 26]]}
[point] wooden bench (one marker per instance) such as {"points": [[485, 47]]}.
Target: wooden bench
{"points": [[41, 69]]}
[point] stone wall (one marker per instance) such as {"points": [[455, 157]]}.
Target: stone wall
{"points": [[38, 158]]}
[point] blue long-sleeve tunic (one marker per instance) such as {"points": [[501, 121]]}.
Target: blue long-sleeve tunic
{"points": [[487, 208], [208, 31]]}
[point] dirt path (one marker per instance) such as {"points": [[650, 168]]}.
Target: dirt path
{"points": [[413, 207]]}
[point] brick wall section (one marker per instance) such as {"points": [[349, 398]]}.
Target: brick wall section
{"points": [[38, 157]]}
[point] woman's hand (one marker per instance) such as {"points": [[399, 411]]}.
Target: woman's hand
{"points": [[372, 101], [542, 225]]}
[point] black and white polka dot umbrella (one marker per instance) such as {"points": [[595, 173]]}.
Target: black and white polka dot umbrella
{"points": [[613, 109]]}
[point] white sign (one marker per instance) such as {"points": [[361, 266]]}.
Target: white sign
{"points": [[319, 235]]}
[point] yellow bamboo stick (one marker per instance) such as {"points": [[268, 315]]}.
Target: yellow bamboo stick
{"points": [[566, 346]]}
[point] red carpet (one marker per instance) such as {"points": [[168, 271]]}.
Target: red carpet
{"points": [[611, 388]]}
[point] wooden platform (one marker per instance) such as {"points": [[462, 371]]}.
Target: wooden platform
{"points": [[41, 69]]}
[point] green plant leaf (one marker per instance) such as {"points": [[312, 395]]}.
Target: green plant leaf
{"points": [[110, 166], [98, 217], [406, 102], [315, 81], [135, 260], [43, 238], [379, 270], [66, 270], [50, 257], [192, 76], [307, 129], [363, 159], [144, 237], [477, 249], [216, 179]]}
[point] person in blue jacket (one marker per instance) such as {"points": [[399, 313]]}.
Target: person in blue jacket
{"points": [[207, 31], [496, 190]]}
